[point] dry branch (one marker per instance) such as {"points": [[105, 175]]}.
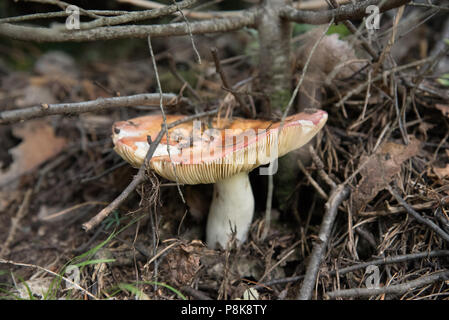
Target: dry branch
{"points": [[394, 289], [40, 34], [137, 15], [147, 99], [336, 198], [417, 216], [344, 12], [236, 21]]}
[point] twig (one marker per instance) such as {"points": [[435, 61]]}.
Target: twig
{"points": [[140, 176], [15, 222], [393, 289], [105, 172], [225, 82], [427, 5], [161, 95], [312, 181], [362, 86], [198, 57], [195, 293], [40, 34], [63, 5], [391, 260], [284, 115], [336, 198], [137, 15], [304, 71], [58, 14], [227, 22], [381, 261], [395, 210], [320, 166], [344, 12], [50, 272], [189, 13], [417, 216], [365, 44], [172, 67], [11, 116]]}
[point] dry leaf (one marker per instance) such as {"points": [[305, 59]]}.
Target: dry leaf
{"points": [[444, 108], [442, 172], [182, 263], [39, 144], [380, 169]]}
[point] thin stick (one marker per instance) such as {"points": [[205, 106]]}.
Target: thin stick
{"points": [[51, 272], [312, 181], [195, 293], [198, 57], [391, 260], [15, 222], [100, 104], [381, 261], [394, 289], [172, 67], [417, 216], [153, 60], [287, 109], [140, 176], [336, 198], [225, 82]]}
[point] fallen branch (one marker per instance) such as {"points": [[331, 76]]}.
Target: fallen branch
{"points": [[222, 23], [336, 198], [394, 289], [147, 99], [381, 261], [41, 34], [343, 12]]}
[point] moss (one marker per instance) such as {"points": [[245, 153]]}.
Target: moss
{"points": [[280, 99]]}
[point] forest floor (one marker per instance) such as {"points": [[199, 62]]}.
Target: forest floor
{"points": [[386, 140]]}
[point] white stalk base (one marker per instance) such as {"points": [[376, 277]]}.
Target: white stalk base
{"points": [[232, 207]]}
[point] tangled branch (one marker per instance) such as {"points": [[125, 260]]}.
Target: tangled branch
{"points": [[108, 28]]}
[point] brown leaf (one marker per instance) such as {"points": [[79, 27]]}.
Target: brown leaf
{"points": [[444, 108], [380, 169], [182, 263], [39, 144], [442, 172]]}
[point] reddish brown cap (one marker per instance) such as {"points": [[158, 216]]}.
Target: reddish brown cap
{"points": [[205, 153]]}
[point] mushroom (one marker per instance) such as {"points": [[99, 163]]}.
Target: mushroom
{"points": [[222, 154]]}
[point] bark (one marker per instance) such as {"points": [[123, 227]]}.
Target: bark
{"points": [[274, 55]]}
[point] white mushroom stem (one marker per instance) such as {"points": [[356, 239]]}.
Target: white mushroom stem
{"points": [[232, 207]]}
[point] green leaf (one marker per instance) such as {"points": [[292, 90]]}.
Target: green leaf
{"points": [[444, 80], [340, 29], [299, 28], [95, 261]]}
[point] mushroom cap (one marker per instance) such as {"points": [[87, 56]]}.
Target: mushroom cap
{"points": [[202, 152]]}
